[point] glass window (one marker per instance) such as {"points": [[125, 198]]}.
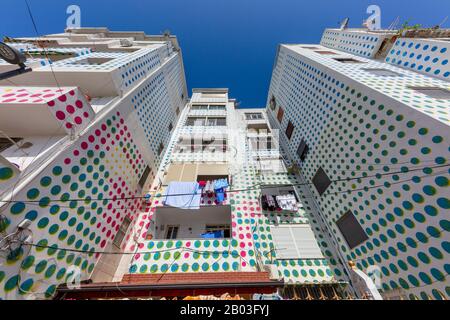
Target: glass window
{"points": [[351, 230], [253, 116]]}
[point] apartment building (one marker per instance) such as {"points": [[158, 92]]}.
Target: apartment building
{"points": [[250, 236], [364, 116], [83, 134]]}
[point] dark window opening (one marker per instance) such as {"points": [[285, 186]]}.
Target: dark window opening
{"points": [[321, 181], [289, 130], [302, 150], [352, 231], [348, 60], [433, 92], [325, 52], [172, 232], [177, 111], [118, 239], [170, 127], [273, 103], [280, 114], [144, 177], [160, 148]]}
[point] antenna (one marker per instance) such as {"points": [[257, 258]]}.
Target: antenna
{"points": [[394, 23], [344, 23]]}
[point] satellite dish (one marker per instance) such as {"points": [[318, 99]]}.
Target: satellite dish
{"points": [[344, 24], [11, 55]]}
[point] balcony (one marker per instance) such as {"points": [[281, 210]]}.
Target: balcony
{"points": [[204, 223]]}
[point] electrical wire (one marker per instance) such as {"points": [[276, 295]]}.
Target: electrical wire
{"points": [[252, 188]]}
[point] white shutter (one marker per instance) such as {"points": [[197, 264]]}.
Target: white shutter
{"points": [[306, 242], [284, 244], [295, 242]]}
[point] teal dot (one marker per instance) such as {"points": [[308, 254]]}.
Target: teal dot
{"points": [[33, 193], [17, 208], [46, 181], [6, 173]]}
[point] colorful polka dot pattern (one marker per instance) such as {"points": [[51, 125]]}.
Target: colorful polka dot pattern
{"points": [[352, 131], [104, 164], [251, 238], [358, 43], [427, 56]]}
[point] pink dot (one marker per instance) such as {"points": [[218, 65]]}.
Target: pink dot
{"points": [[67, 161], [68, 125], [70, 109], [78, 120], [84, 145], [79, 104], [60, 115], [62, 98]]}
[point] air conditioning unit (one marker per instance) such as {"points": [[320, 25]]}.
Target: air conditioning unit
{"points": [[273, 271]]}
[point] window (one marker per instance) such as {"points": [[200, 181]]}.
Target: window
{"points": [[118, 239], [302, 150], [5, 143], [433, 92], [177, 111], [311, 48], [382, 72], [170, 127], [199, 107], [160, 148], [295, 242], [351, 230], [196, 121], [321, 181], [144, 177], [253, 116], [348, 60], [216, 122], [289, 130], [325, 52], [93, 61], [172, 232], [225, 227], [280, 114], [217, 107], [273, 103]]}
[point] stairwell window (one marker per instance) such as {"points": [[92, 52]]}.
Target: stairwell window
{"points": [[273, 103], [280, 115], [302, 150], [160, 148], [289, 130], [321, 181], [144, 177], [382, 72], [118, 239], [351, 230]]}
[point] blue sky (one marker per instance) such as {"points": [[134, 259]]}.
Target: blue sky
{"points": [[225, 43]]}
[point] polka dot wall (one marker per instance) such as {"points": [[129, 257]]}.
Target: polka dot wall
{"points": [[251, 235], [358, 43], [105, 161], [426, 56], [358, 125]]}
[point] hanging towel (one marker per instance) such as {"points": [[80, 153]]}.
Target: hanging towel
{"points": [[219, 189], [208, 235], [287, 202], [184, 195]]}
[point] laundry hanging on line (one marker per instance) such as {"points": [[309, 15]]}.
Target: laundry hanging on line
{"points": [[184, 195]]}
